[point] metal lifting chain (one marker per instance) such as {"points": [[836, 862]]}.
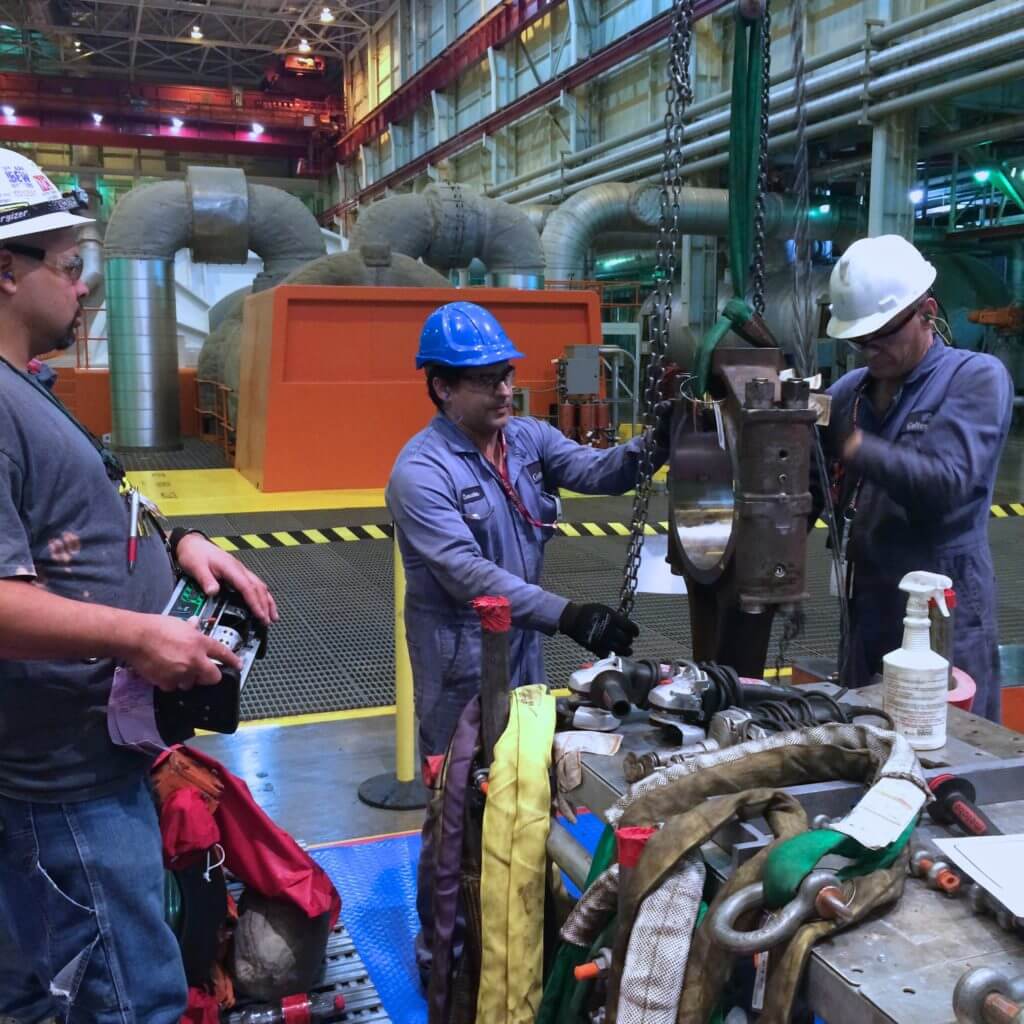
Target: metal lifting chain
{"points": [[758, 268], [677, 95]]}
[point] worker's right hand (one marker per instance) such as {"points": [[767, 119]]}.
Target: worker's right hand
{"points": [[599, 628], [174, 655]]}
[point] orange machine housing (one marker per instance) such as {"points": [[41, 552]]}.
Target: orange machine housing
{"points": [[329, 390]]}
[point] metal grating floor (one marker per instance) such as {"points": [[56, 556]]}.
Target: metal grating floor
{"points": [[194, 454], [332, 649]]}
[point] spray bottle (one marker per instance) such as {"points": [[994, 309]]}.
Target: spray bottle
{"points": [[914, 677]]}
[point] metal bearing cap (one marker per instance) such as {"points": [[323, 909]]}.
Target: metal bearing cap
{"points": [[820, 895], [987, 996]]}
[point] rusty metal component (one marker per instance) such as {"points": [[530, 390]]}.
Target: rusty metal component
{"points": [[985, 995], [937, 873], [832, 904]]}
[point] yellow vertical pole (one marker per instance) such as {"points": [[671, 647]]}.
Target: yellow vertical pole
{"points": [[403, 790], [405, 712]]}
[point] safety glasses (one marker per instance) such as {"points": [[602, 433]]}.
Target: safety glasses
{"points": [[886, 332], [489, 381], [70, 266]]}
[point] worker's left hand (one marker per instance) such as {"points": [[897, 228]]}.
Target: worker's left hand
{"points": [[599, 628], [207, 564]]}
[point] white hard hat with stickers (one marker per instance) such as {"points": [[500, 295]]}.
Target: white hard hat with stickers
{"points": [[875, 280], [31, 203]]}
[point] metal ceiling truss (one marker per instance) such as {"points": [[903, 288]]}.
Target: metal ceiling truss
{"points": [[240, 38]]}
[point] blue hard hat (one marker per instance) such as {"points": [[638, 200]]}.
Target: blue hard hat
{"points": [[464, 334]]}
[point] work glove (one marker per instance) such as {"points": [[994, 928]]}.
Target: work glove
{"points": [[599, 628], [663, 425]]}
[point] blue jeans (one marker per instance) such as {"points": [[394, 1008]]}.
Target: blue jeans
{"points": [[82, 930]]}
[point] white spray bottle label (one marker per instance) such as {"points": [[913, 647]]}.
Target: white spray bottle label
{"points": [[914, 677]]}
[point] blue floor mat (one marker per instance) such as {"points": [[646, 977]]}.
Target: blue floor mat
{"points": [[377, 883]]}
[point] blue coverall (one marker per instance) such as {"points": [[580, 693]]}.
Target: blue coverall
{"points": [[928, 468], [460, 537]]}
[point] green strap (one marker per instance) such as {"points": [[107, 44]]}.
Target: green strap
{"points": [[791, 861], [744, 135], [735, 314], [561, 984]]}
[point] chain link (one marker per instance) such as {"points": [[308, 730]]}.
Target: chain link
{"points": [[678, 95], [758, 269]]}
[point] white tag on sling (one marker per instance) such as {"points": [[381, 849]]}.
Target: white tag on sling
{"points": [[883, 813], [836, 576]]}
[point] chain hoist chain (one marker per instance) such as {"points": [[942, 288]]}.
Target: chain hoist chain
{"points": [[792, 627], [762, 162], [678, 94]]}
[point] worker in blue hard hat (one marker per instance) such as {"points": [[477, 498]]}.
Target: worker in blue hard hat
{"points": [[913, 442], [474, 500]]}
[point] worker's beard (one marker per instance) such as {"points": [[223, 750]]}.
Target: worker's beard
{"points": [[68, 338]]}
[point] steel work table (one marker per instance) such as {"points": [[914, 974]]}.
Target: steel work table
{"points": [[901, 966]]}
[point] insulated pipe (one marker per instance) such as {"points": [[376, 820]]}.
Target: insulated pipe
{"points": [[573, 228], [147, 228], [90, 245], [829, 81], [447, 226]]}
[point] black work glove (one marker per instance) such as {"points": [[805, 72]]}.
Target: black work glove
{"points": [[599, 628], [663, 425]]}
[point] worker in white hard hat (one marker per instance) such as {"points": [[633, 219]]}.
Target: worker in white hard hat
{"points": [[913, 447], [82, 929]]}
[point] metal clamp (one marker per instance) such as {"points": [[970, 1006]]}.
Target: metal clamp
{"points": [[987, 996], [820, 893]]}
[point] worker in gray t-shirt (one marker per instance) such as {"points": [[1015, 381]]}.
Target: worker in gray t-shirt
{"points": [[82, 930]]}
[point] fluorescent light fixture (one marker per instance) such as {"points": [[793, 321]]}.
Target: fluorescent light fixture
{"points": [[326, 16], [916, 195], [304, 46], [176, 123], [982, 176], [97, 119], [197, 32], [8, 111], [10, 28], [825, 208], [78, 45], [257, 128]]}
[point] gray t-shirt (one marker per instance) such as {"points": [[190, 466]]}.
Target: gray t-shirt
{"points": [[64, 525]]}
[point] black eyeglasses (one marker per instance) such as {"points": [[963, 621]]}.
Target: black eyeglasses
{"points": [[489, 381], [70, 266], [886, 332]]}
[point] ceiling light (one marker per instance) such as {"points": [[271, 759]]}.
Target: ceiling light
{"points": [[982, 176], [10, 28], [326, 16], [197, 32], [8, 111], [78, 45], [97, 119], [303, 46], [916, 195], [825, 208], [257, 128], [176, 123]]}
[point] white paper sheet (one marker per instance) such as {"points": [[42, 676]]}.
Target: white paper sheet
{"points": [[993, 862]]}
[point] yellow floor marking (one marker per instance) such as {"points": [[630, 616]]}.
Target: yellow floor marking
{"points": [[317, 537], [285, 538], [224, 544], [255, 540], [820, 524], [650, 531], [375, 532], [189, 492], [359, 840], [664, 524], [1017, 507], [999, 513], [344, 533], [568, 529], [593, 529], [620, 529], [772, 673]]}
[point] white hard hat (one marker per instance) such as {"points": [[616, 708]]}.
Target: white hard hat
{"points": [[875, 281], [30, 202]]}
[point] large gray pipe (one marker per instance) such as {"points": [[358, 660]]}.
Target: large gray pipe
{"points": [[147, 228], [572, 229], [447, 226]]}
